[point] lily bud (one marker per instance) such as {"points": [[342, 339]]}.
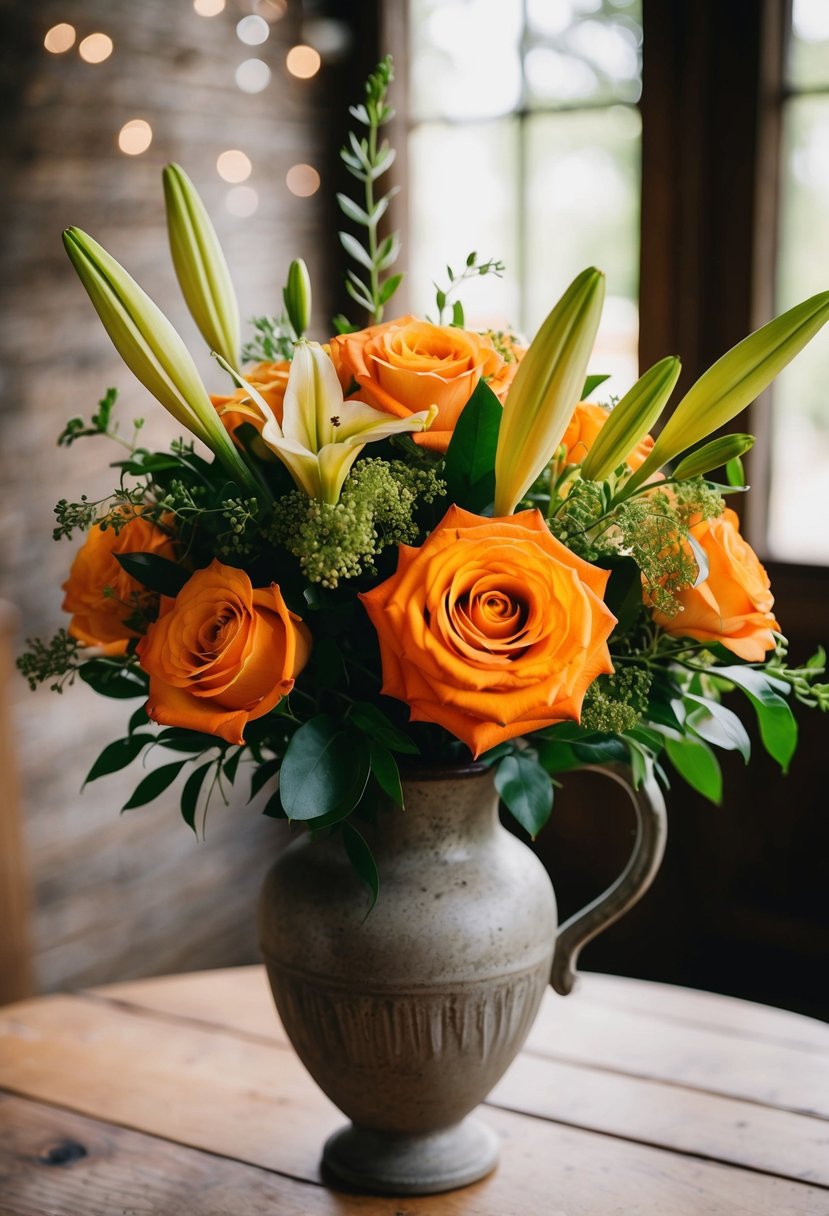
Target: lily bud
{"points": [[200, 265], [546, 390], [713, 455], [151, 347], [297, 296], [631, 419], [733, 382]]}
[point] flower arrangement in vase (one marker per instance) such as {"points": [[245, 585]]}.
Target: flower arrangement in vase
{"points": [[398, 577]]}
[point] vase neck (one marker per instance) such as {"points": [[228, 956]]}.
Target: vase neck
{"points": [[442, 811]]}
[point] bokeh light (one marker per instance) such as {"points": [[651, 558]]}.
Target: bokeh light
{"points": [[242, 201], [253, 75], [95, 48], [302, 180], [271, 10], [135, 137], [303, 62], [252, 30], [234, 166], [59, 38], [209, 8]]}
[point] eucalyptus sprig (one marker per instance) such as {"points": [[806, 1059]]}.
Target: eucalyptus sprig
{"points": [[471, 270], [367, 159]]}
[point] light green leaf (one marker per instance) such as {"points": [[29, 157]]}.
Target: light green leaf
{"points": [[713, 455], [631, 419], [697, 764]]}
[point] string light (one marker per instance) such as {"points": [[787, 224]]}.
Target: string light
{"points": [[59, 38], [242, 201], [302, 180], [209, 8], [253, 75], [303, 62], [234, 166], [135, 137], [95, 48], [252, 30]]}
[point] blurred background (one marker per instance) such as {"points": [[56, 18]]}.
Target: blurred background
{"points": [[683, 148]]}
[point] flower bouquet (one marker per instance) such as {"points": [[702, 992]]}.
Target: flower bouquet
{"points": [[413, 545]]}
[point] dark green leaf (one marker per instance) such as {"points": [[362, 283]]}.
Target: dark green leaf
{"points": [[154, 572], [374, 723], [230, 767], [262, 774], [470, 458], [526, 790], [385, 771], [112, 679], [154, 784], [138, 719], [176, 739], [329, 665], [778, 728], [191, 791], [697, 764], [624, 593], [273, 808], [362, 858], [591, 384], [325, 769], [117, 756]]}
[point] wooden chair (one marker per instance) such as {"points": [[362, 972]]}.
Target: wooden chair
{"points": [[15, 953]]}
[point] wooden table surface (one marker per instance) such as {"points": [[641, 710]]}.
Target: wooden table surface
{"points": [[182, 1096]]}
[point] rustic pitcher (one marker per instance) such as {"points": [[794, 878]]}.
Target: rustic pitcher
{"points": [[407, 1017]]}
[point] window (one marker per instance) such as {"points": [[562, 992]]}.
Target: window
{"points": [[525, 146], [797, 528]]}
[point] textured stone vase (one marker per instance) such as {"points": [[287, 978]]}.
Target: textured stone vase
{"points": [[407, 1017]]}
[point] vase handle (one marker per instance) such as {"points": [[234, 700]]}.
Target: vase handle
{"points": [[632, 883]]}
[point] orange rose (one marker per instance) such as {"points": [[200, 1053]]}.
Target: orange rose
{"points": [[271, 380], [100, 593], [733, 606], [588, 419], [491, 628], [222, 654], [408, 365]]}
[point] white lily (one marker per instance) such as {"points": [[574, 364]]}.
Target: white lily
{"points": [[321, 434]]}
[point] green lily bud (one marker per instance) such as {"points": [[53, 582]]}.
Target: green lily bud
{"points": [[733, 382], [713, 455], [151, 348], [200, 265], [631, 419], [546, 390], [297, 296]]}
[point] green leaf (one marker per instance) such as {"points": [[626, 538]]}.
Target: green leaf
{"points": [[362, 858], [176, 739], [355, 250], [325, 769], [138, 719], [112, 679], [697, 764], [718, 725], [230, 767], [117, 756], [778, 728], [385, 771], [154, 572], [591, 384], [457, 314], [374, 723], [631, 419], [526, 790], [262, 774], [735, 474], [154, 784], [390, 286], [470, 458], [191, 791], [355, 213]]}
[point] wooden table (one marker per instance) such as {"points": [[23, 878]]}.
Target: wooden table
{"points": [[182, 1096]]}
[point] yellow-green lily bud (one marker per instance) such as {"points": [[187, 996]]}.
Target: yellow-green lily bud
{"points": [[734, 381], [297, 296], [546, 390], [200, 265], [713, 455], [151, 347], [631, 419]]}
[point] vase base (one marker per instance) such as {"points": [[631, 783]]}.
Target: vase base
{"points": [[391, 1164]]}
